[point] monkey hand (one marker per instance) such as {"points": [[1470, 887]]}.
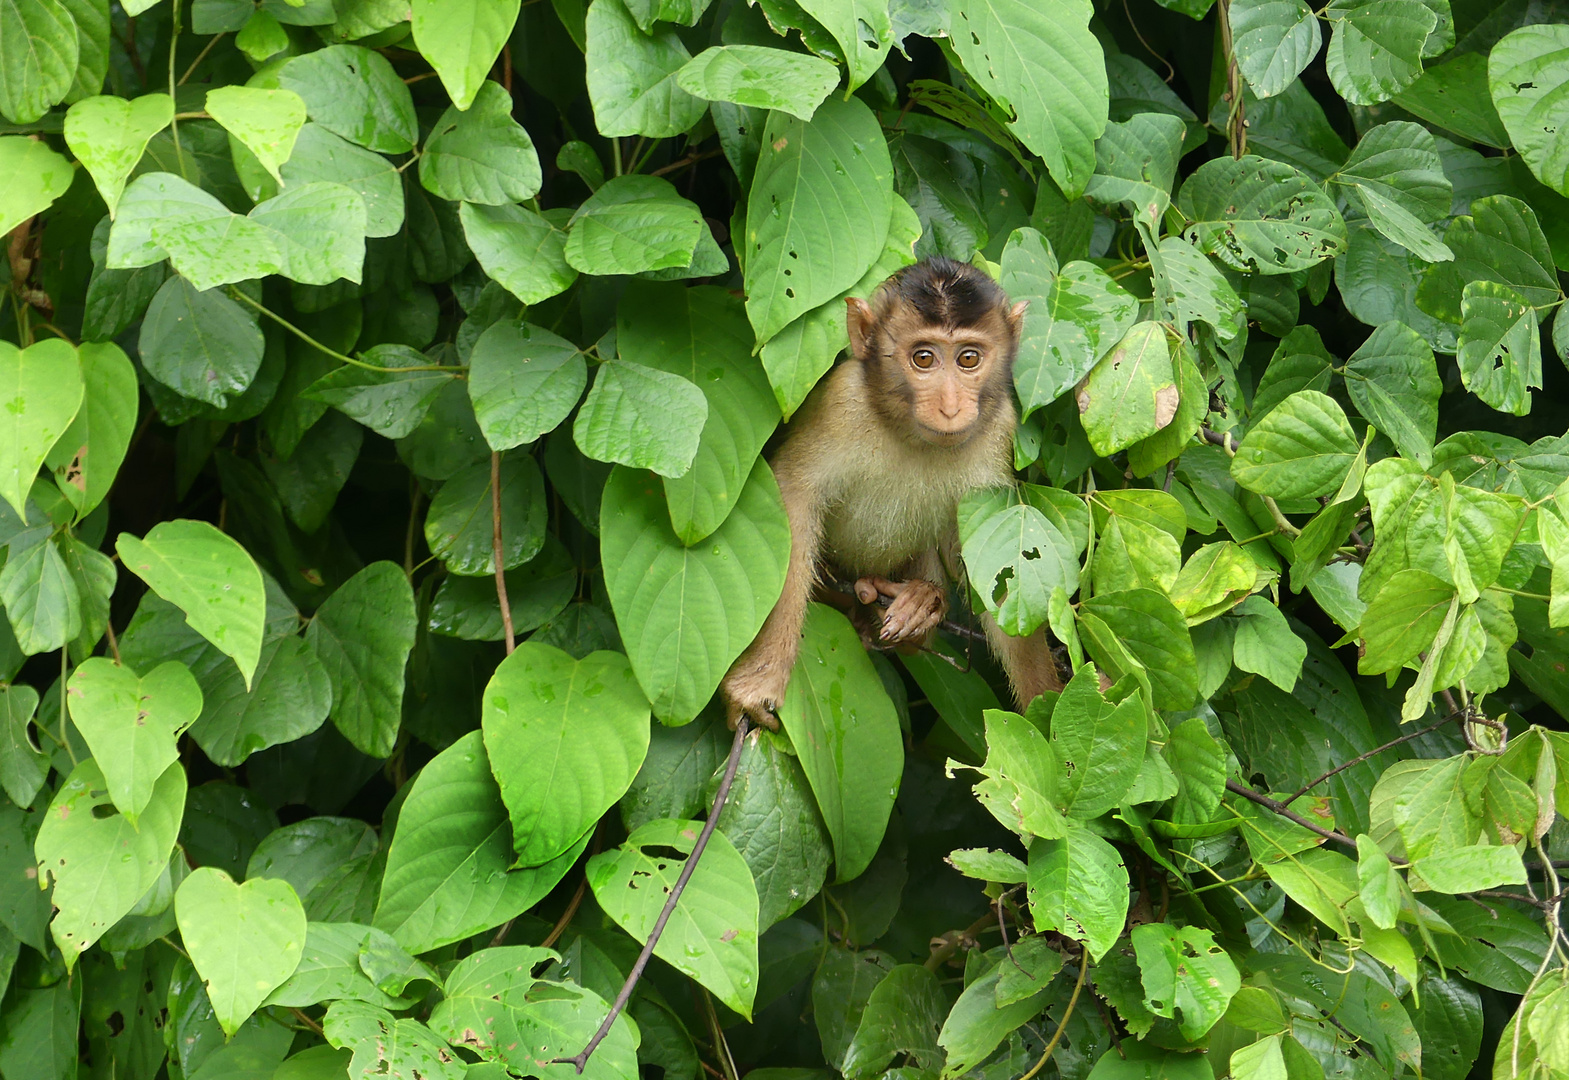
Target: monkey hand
{"points": [[918, 607], [754, 689]]}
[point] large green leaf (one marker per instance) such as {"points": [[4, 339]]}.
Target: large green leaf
{"points": [[100, 863], [210, 577], [759, 77], [38, 176], [482, 155], [712, 933], [1500, 352], [830, 177], [43, 390], [1528, 74], [1261, 216], [1131, 393], [363, 635], [354, 92], [290, 699], [86, 457], [390, 396], [202, 345], [449, 866], [1184, 969], [686, 613], [1099, 745], [321, 155], [1274, 41], [318, 230], [460, 527], [1136, 162], [565, 738], [244, 940], [1375, 49], [1393, 381], [108, 135], [38, 56], [1023, 777], [1041, 63], [846, 734], [1078, 886], [1303, 448], [131, 724], [1402, 620], [702, 336], [42, 600], [643, 417], [1396, 172], [1454, 96], [22, 766], [632, 76], [523, 381], [523, 251], [461, 39], [632, 224], [386, 1046], [1015, 557], [1150, 630], [266, 122], [1501, 241]]}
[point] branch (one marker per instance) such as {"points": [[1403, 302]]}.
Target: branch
{"points": [[1278, 807], [1390, 745], [581, 1060], [495, 543]]}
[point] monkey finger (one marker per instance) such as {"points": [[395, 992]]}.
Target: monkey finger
{"points": [[865, 591]]}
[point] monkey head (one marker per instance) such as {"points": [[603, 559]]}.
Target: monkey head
{"points": [[937, 344]]}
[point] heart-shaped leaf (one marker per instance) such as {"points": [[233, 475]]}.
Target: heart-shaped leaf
{"points": [[108, 135], [244, 940], [131, 724], [42, 390]]}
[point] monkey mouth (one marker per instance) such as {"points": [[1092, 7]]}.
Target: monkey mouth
{"points": [[945, 437]]}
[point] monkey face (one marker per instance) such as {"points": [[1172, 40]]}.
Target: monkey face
{"points": [[948, 375]]}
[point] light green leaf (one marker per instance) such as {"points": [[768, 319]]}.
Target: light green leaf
{"points": [[1199, 291], [1023, 777], [978, 1023], [1135, 163], [523, 251], [1040, 62], [244, 940], [1213, 580], [632, 76], [1266, 645], [1393, 381], [156, 199], [1303, 448], [321, 155], [1527, 72], [759, 77], [1378, 886], [1261, 216], [329, 967], [565, 738], [642, 417], [1402, 620], [1375, 48], [1079, 887], [210, 577], [702, 336], [1015, 557], [318, 230], [354, 92], [23, 767], [632, 224], [108, 135], [221, 250], [712, 933], [387, 1047], [38, 56], [1099, 745], [1274, 41], [1467, 869], [363, 635], [461, 39], [38, 176], [41, 597], [846, 733], [1151, 631], [1183, 969], [1500, 352], [1131, 393], [686, 613], [987, 865], [482, 155], [862, 30], [829, 177], [267, 122], [100, 863], [523, 381], [131, 724], [42, 388], [1396, 171], [87, 455]]}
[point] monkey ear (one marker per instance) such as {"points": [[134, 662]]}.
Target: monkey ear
{"points": [[859, 320], [1016, 317]]}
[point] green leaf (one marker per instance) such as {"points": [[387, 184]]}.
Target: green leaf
{"points": [[1274, 41], [642, 417], [1015, 556], [318, 230], [1375, 49], [156, 200], [1303, 448], [329, 968], [632, 76], [1261, 216], [1454, 96], [41, 597], [1131, 393], [1099, 745], [565, 738], [38, 57], [200, 344], [1526, 73], [43, 390], [1467, 869], [1135, 163], [460, 525], [100, 863], [108, 135], [830, 176], [1266, 645], [1155, 634], [266, 122], [1213, 580], [1078, 886], [1184, 969], [632, 224], [902, 1016], [524, 381], [319, 155], [537, 591], [846, 734], [1199, 291], [1402, 620], [449, 866], [712, 933], [390, 402], [40, 1034], [38, 176], [523, 251], [759, 77], [1499, 241], [86, 457], [1023, 777], [131, 724], [978, 1023], [354, 92], [1393, 381], [210, 577], [861, 28], [384, 1046], [461, 39], [1396, 172], [290, 699], [482, 155], [1500, 352], [244, 940], [1041, 64], [1074, 317], [363, 635], [23, 767], [986, 865]]}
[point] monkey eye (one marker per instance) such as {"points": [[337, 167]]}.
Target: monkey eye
{"points": [[969, 358], [923, 358]]}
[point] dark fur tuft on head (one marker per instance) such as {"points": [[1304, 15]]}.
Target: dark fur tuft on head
{"points": [[943, 292]]}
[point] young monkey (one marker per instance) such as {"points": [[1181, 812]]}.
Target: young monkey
{"points": [[875, 464]]}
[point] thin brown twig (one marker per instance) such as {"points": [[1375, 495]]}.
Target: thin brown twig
{"points": [[690, 159], [495, 540], [566, 916], [114, 646], [580, 1060], [300, 1015], [1278, 807]]}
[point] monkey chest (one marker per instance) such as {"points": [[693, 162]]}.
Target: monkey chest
{"points": [[882, 521]]}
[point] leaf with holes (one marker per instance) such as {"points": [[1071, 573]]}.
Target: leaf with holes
{"points": [[131, 723], [1375, 47], [1527, 73], [1131, 393], [1260, 216], [1274, 41], [1015, 557], [1500, 351]]}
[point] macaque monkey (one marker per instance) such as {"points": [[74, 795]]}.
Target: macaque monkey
{"points": [[874, 466]]}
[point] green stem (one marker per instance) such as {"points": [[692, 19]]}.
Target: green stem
{"points": [[174, 125], [334, 353], [1280, 519], [1521, 593]]}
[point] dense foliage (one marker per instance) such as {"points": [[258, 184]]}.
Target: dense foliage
{"points": [[349, 342]]}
